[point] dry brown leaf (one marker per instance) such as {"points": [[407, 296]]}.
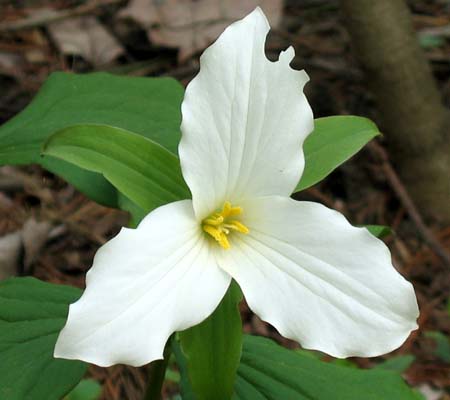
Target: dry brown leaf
{"points": [[34, 237], [430, 393], [10, 249], [38, 51], [30, 240], [86, 37], [192, 25], [10, 61]]}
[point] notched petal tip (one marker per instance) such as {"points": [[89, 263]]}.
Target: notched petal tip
{"points": [[239, 103], [286, 56]]}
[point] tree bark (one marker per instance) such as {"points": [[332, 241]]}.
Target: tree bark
{"points": [[416, 122]]}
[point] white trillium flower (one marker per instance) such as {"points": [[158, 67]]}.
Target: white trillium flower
{"points": [[301, 266]]}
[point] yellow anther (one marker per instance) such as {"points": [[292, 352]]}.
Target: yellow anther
{"points": [[224, 241], [237, 226], [218, 234], [229, 211], [214, 220], [226, 209], [219, 228]]}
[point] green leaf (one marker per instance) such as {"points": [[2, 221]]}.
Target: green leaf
{"points": [[90, 183], [31, 315], [317, 355], [271, 372], [442, 345], [398, 364], [213, 349], [172, 375], [147, 106], [137, 214], [87, 389], [141, 169], [379, 231], [185, 385], [344, 362], [333, 141]]}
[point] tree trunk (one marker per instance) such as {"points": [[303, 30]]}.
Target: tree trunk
{"points": [[416, 122]]}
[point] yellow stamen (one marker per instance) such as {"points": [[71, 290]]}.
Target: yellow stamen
{"points": [[217, 234], [229, 211], [224, 241], [237, 226], [213, 220], [219, 228]]}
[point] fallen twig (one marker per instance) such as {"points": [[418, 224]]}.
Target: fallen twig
{"points": [[407, 202], [42, 20]]}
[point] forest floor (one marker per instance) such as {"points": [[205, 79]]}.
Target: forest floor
{"points": [[61, 229]]}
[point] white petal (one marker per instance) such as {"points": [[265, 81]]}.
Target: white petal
{"points": [[320, 281], [244, 120], [145, 284]]}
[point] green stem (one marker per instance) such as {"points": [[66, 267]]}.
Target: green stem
{"points": [[156, 374]]}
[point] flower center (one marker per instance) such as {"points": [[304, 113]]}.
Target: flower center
{"points": [[220, 224]]}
